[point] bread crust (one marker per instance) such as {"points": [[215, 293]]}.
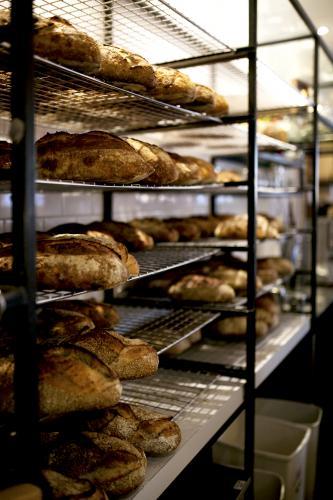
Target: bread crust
{"points": [[75, 262], [156, 228], [205, 173], [236, 227], [132, 237], [237, 327], [188, 231], [65, 488], [156, 434], [120, 65], [111, 463], [101, 314], [91, 156], [201, 288], [164, 168], [129, 358], [70, 379], [173, 86]]}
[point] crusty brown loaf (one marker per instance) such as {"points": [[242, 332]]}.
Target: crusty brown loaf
{"points": [[228, 176], [207, 224], [196, 287], [208, 101], [236, 227], [74, 262], [58, 40], [164, 169], [206, 173], [133, 238], [120, 65], [237, 326], [91, 156], [173, 86], [154, 433], [56, 325], [282, 266], [5, 155], [65, 488], [236, 278], [111, 463], [129, 358], [70, 379], [101, 314], [156, 228], [188, 231]]}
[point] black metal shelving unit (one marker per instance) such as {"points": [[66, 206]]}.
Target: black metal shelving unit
{"points": [[59, 99]]}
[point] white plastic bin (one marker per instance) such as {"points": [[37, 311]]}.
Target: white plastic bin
{"points": [[268, 485], [279, 447], [303, 414]]}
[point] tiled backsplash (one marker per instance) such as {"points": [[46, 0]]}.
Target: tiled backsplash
{"points": [[85, 206]]}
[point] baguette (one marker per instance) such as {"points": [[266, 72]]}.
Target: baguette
{"points": [[91, 156], [129, 358], [120, 65], [102, 315], [111, 463], [201, 288], [70, 379], [164, 169], [173, 86], [62, 487], [132, 237], [154, 433]]}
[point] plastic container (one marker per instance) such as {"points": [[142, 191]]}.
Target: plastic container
{"points": [[280, 447], [302, 414], [268, 486]]}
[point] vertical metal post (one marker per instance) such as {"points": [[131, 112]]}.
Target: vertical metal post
{"points": [[212, 207], [24, 238], [107, 206], [315, 184], [251, 260]]}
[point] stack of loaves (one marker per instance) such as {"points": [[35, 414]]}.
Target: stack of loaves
{"points": [[91, 440], [98, 156], [58, 40]]}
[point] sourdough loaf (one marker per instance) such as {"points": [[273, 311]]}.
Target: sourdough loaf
{"points": [[201, 288]]}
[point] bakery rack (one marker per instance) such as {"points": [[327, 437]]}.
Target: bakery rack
{"points": [[61, 97]]}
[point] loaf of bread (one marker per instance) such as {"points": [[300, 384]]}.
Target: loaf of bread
{"points": [[154, 433], [228, 176], [235, 227], [186, 170], [270, 303], [208, 101], [267, 275], [206, 173], [91, 156], [129, 358], [156, 228], [70, 379], [179, 348], [56, 325], [61, 487], [173, 86], [236, 278], [5, 155], [67, 262], [111, 463], [206, 224], [132, 237], [237, 326], [188, 231], [201, 288], [102, 315], [58, 40], [119, 65], [163, 168], [283, 267]]}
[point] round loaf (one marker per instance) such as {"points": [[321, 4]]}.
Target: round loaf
{"points": [[201, 288], [91, 156], [129, 358], [237, 326], [102, 315], [179, 348], [207, 225], [205, 173], [187, 230], [173, 86], [56, 325], [111, 463], [156, 228], [208, 101], [236, 227], [133, 238], [70, 379], [164, 169], [156, 434], [120, 65], [65, 488]]}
